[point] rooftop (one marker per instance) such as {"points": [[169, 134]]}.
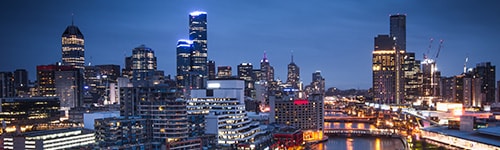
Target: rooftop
{"points": [[55, 131], [72, 30], [481, 136]]}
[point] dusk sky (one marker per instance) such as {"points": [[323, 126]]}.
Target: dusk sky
{"points": [[335, 37]]}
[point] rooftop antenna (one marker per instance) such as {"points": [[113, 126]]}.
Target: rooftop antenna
{"points": [[292, 56], [465, 63], [72, 19]]}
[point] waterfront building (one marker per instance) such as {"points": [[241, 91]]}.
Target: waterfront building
{"points": [[486, 72], [388, 77], [412, 82], [430, 78], [292, 108], [398, 30]]}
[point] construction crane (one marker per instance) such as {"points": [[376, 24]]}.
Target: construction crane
{"points": [[429, 48], [439, 48]]}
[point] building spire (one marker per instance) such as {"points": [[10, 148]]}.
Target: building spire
{"points": [[292, 55], [72, 19], [264, 59]]}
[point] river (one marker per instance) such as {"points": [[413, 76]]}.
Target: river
{"points": [[358, 143]]}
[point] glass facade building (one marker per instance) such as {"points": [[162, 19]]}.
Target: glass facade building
{"points": [[73, 50], [198, 34]]}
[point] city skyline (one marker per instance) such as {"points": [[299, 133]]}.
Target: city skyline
{"points": [[340, 45]]}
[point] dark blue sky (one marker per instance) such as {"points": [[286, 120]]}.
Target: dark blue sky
{"points": [[335, 37]]}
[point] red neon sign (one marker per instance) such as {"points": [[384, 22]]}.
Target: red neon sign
{"points": [[300, 102]]}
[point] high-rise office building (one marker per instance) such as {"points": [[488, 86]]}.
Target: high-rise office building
{"points": [[164, 111], [486, 72], [184, 49], [143, 64], [211, 70], [293, 75], [430, 78], [109, 72], [224, 72], [198, 34], [292, 109], [498, 91], [7, 84], [388, 77], [318, 83], [412, 84], [29, 110], [66, 138], [222, 104], [266, 70], [21, 81], [127, 70], [120, 133], [65, 82], [245, 72], [398, 30], [69, 87], [446, 86], [73, 50]]}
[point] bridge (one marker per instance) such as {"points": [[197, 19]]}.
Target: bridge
{"points": [[414, 113], [349, 119], [361, 132]]}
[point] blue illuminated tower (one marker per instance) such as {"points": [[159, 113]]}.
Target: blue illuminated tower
{"points": [[198, 34], [184, 49]]}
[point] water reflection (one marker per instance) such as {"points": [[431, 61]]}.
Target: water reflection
{"points": [[360, 143], [357, 143]]}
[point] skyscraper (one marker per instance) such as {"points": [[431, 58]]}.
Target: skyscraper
{"points": [[164, 111], [293, 75], [245, 72], [143, 61], [211, 69], [65, 82], [412, 84], [388, 83], [198, 34], [73, 51], [430, 78], [318, 83], [21, 79], [6, 84], [184, 49], [267, 71], [398, 30], [486, 72], [224, 72]]}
